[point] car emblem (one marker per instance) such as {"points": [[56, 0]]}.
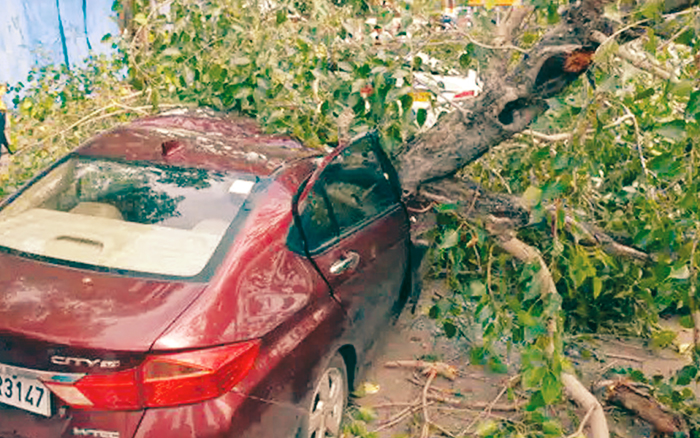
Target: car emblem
{"points": [[84, 362], [77, 431]]}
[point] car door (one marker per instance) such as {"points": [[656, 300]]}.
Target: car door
{"points": [[356, 231]]}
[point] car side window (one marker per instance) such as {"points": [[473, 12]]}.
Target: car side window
{"points": [[356, 186], [318, 225], [353, 188]]}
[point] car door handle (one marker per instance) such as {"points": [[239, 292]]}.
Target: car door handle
{"points": [[349, 261]]}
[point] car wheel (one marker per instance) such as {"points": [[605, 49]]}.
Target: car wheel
{"points": [[328, 400]]}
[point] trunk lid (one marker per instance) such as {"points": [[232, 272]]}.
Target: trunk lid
{"points": [[62, 319]]}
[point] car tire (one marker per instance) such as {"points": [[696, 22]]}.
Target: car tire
{"points": [[324, 410]]}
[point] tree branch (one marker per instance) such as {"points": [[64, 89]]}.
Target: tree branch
{"points": [[637, 61]]}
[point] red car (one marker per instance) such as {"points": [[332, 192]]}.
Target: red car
{"points": [[186, 275]]}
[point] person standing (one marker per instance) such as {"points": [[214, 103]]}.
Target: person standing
{"points": [[3, 122]]}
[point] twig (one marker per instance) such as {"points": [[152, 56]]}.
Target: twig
{"points": [[589, 234], [579, 431], [421, 210], [443, 369], [673, 37], [392, 405], [623, 29], [568, 135], [432, 387], [625, 357], [516, 15], [638, 137], [89, 116], [396, 419], [426, 416], [619, 121], [473, 405], [641, 63], [443, 430], [487, 410], [488, 46], [548, 137]]}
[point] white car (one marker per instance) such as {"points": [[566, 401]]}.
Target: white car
{"points": [[436, 93]]}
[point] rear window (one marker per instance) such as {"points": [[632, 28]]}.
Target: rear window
{"points": [[126, 216]]}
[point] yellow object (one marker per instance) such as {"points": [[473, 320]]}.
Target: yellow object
{"points": [[3, 91], [495, 3], [421, 96], [366, 388]]}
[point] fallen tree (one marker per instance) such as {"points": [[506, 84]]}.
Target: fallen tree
{"points": [[301, 68]]}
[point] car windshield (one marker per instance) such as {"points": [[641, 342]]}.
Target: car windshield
{"points": [[125, 215]]}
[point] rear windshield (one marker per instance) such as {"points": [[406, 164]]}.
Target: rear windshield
{"points": [[126, 216]]}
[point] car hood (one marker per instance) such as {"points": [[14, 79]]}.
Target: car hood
{"points": [[87, 309]]}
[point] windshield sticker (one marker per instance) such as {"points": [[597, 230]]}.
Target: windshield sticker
{"points": [[241, 186]]}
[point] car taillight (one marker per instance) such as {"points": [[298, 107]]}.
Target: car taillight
{"points": [[163, 380]]}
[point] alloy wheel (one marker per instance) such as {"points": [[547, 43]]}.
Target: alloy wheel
{"points": [[326, 410]]}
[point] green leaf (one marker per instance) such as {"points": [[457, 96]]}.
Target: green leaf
{"points": [[140, 19], [529, 37], [686, 38], [551, 388], [434, 312], [172, 52], [406, 101], [597, 287], [644, 94], [240, 60], [682, 88], [533, 376], [477, 288], [686, 321], [682, 273], [686, 374], [417, 62], [663, 338], [652, 8], [450, 329], [366, 414], [450, 239], [532, 196], [672, 131], [552, 13], [421, 116], [465, 60], [487, 428], [536, 401], [552, 428], [693, 106], [446, 207]]}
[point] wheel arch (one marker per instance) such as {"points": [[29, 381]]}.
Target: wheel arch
{"points": [[349, 355]]}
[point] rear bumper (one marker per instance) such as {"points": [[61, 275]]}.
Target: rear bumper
{"points": [[214, 419], [227, 416], [15, 423]]}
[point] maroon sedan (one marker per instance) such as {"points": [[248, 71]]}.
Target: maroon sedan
{"points": [[186, 275]]}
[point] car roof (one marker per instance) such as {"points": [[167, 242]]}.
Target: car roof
{"points": [[198, 137]]}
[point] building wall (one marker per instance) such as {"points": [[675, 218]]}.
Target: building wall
{"points": [[30, 33]]}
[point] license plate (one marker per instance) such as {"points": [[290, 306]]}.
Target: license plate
{"points": [[19, 388]]}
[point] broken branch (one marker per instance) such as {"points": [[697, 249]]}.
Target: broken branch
{"points": [[427, 368]]}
